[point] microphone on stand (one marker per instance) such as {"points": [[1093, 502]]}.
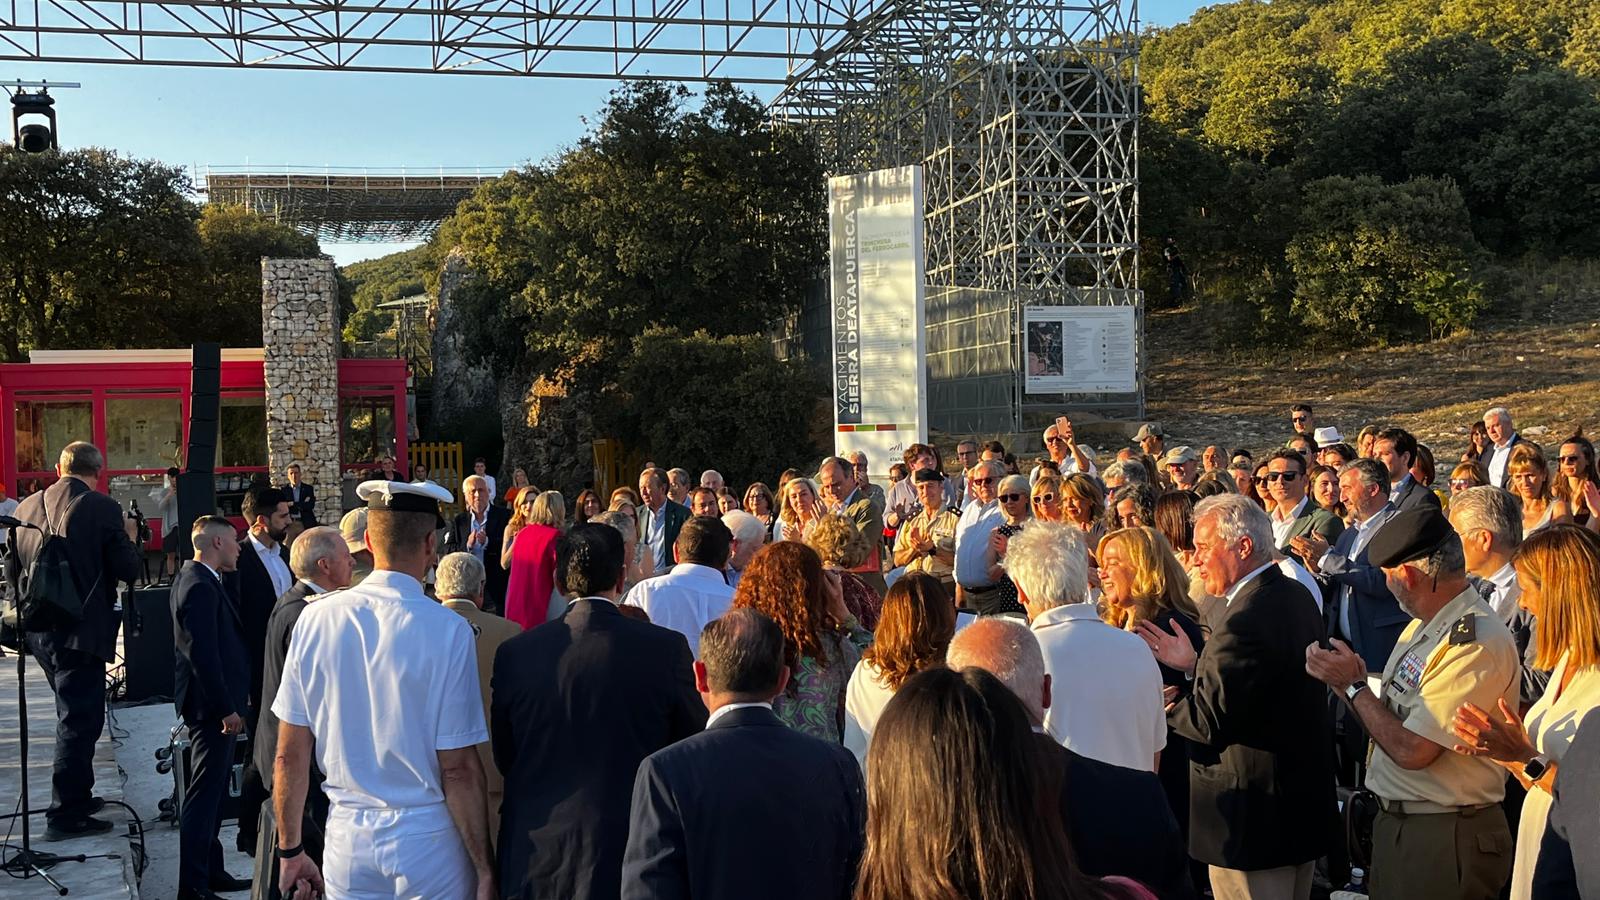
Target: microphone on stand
{"points": [[14, 522]]}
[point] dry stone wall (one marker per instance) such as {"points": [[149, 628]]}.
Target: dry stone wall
{"points": [[300, 335]]}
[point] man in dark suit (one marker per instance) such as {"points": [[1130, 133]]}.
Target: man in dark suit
{"points": [[1503, 438], [211, 697], [660, 520], [1295, 514], [575, 705], [480, 530], [1261, 744], [301, 496], [1118, 819], [321, 562], [1360, 608], [1569, 857], [1397, 450], [263, 576], [748, 807], [74, 654]]}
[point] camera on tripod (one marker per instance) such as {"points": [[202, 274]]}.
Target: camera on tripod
{"points": [[139, 522]]}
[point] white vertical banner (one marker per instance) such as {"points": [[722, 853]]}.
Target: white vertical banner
{"points": [[880, 373]]}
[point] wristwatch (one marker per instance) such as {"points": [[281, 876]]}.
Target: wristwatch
{"points": [[1536, 767], [1351, 692]]}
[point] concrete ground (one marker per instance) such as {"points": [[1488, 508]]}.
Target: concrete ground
{"points": [[147, 729], [107, 872]]}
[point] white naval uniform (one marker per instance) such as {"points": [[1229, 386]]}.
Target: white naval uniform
{"points": [[385, 678]]}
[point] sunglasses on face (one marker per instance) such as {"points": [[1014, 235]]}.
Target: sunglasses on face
{"points": [[1299, 418], [1012, 498], [1045, 498], [1571, 460], [1286, 476], [1461, 483], [1055, 440], [984, 481]]}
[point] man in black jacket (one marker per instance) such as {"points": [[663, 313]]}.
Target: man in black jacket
{"points": [[1261, 752], [1396, 448], [321, 562], [301, 496], [211, 686], [710, 820], [1118, 820], [262, 577], [74, 655], [480, 530], [576, 705]]}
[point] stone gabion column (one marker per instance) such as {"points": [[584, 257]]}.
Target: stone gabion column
{"points": [[300, 336]]}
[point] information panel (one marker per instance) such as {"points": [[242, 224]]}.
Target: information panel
{"points": [[1080, 349], [880, 377]]}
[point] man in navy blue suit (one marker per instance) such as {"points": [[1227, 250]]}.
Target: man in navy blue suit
{"points": [[748, 807], [212, 690]]}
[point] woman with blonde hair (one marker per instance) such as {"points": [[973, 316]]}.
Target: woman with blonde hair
{"points": [[843, 547], [1559, 571], [1083, 504], [1529, 475], [822, 641], [1048, 500], [529, 557], [918, 621], [1143, 586], [1466, 475], [519, 480], [800, 508]]}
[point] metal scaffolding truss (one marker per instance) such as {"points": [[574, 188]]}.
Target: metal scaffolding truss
{"points": [[360, 205], [1024, 115], [746, 41]]}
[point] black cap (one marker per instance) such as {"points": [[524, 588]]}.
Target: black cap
{"points": [[1409, 536], [928, 474]]}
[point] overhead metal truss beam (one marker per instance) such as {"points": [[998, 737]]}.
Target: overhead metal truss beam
{"points": [[747, 41], [369, 206]]}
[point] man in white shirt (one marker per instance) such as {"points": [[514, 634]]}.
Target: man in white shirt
{"points": [[749, 535], [694, 592], [1107, 685], [1489, 521], [1503, 437], [978, 520], [1064, 450], [381, 683], [480, 468]]}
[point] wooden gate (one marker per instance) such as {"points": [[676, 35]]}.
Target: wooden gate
{"points": [[444, 469]]}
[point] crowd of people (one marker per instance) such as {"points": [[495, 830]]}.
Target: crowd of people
{"points": [[1157, 673]]}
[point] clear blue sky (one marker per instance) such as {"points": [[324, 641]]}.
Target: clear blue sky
{"points": [[231, 117]]}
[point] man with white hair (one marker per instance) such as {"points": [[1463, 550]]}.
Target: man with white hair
{"points": [[1489, 521], [1262, 745], [480, 529], [1108, 683], [749, 535], [678, 486], [1064, 450], [321, 562], [712, 480], [1503, 437], [1122, 472], [859, 462], [1117, 819], [460, 583], [978, 520]]}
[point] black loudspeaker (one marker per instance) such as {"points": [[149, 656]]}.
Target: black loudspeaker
{"points": [[197, 486], [205, 384], [147, 646]]}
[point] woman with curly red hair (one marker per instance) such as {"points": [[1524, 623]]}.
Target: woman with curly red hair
{"points": [[822, 640]]}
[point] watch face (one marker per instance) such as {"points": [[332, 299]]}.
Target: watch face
{"points": [[1534, 770]]}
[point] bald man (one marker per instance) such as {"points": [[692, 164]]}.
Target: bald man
{"points": [[1117, 818]]}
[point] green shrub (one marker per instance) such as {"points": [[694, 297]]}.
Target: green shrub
{"points": [[1379, 262]]}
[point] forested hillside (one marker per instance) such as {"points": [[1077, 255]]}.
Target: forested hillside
{"points": [[1366, 170]]}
